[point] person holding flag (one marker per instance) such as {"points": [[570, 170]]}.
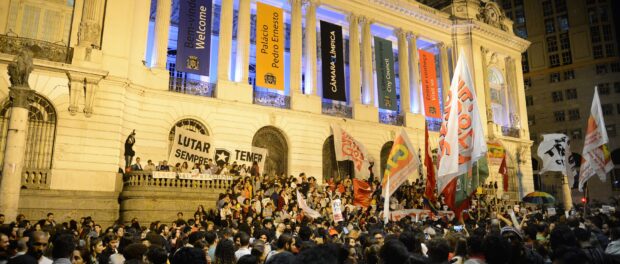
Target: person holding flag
{"points": [[461, 140], [402, 162], [431, 182], [596, 157]]}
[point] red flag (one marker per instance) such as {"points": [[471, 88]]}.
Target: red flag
{"points": [[362, 193], [503, 170], [431, 181]]}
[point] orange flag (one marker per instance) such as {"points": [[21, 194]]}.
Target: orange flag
{"points": [[362, 193]]}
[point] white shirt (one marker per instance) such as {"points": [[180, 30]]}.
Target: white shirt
{"points": [[242, 251], [45, 260]]}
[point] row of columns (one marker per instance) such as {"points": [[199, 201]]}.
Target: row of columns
{"points": [[360, 53]]}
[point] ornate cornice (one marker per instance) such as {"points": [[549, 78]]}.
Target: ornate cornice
{"points": [[418, 11]]}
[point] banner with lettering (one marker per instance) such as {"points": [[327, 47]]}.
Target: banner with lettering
{"points": [[191, 147], [495, 152], [428, 74], [194, 36], [243, 156], [270, 36], [337, 211], [332, 65], [384, 62]]}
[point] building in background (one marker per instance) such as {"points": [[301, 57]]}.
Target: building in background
{"points": [[113, 68]]}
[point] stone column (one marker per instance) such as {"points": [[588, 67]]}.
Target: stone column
{"points": [[310, 48], [414, 75], [487, 90], [159, 53], [367, 74], [354, 60], [225, 42], [296, 47], [403, 71], [243, 42], [445, 71], [20, 95], [90, 26]]}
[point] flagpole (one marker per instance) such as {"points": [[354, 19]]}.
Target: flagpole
{"points": [[568, 201]]}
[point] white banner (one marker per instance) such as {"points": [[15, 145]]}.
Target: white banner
{"points": [[191, 147], [305, 208], [337, 210], [596, 156], [347, 148], [419, 214], [189, 176], [244, 156], [555, 153]]}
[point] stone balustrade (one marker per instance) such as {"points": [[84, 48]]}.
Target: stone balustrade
{"points": [[36, 178], [145, 180]]}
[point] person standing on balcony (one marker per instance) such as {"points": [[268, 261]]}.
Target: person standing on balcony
{"points": [[129, 153]]}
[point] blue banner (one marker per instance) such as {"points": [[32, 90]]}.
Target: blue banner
{"points": [[194, 38]]}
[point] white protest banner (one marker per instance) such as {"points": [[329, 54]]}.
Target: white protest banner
{"points": [[337, 211], [164, 175], [555, 153], [191, 147], [305, 208], [242, 155]]}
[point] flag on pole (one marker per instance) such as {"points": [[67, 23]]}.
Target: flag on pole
{"points": [[461, 138], [347, 148], [596, 157], [503, 170], [459, 191], [431, 181], [555, 153], [402, 162], [305, 208], [362, 193]]}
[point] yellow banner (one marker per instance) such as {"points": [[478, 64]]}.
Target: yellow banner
{"points": [[269, 47]]}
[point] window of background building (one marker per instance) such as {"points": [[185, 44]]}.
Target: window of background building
{"points": [[552, 44], [573, 114], [554, 77], [525, 65], [549, 26], [529, 100], [595, 34], [606, 32], [592, 15], [611, 130], [560, 6], [554, 60], [576, 133], [601, 68], [547, 8], [597, 51], [610, 51], [603, 88], [617, 87], [563, 23], [618, 108], [531, 120], [527, 82], [571, 94], [608, 109], [569, 75], [602, 13], [557, 96], [559, 116], [615, 67], [566, 58], [590, 2], [564, 41]]}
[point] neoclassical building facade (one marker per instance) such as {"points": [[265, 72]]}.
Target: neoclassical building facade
{"points": [[104, 68]]}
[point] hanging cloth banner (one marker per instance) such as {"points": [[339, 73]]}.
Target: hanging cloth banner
{"points": [[194, 35], [191, 147], [269, 47], [332, 65], [384, 62], [428, 74], [242, 155]]}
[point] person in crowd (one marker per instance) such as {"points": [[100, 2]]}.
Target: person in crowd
{"points": [[244, 245], [63, 248]]}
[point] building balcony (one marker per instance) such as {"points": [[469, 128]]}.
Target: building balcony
{"points": [[36, 179], [190, 86], [391, 118], [336, 109], [511, 132], [172, 181], [57, 52], [272, 99]]}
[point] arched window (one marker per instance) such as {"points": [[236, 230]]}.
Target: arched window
{"points": [[189, 124], [41, 133], [332, 169], [273, 139], [385, 152], [499, 98]]}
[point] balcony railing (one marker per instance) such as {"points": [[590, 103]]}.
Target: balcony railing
{"points": [[41, 49], [175, 181], [35, 178], [272, 99], [433, 124], [391, 118], [335, 109], [190, 86], [510, 132]]}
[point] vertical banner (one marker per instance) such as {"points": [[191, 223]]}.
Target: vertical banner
{"points": [[269, 47], [429, 84], [384, 60], [194, 37], [337, 211], [332, 62]]}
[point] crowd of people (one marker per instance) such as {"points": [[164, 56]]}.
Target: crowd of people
{"points": [[210, 167], [260, 220]]}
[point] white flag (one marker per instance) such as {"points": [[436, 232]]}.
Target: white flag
{"points": [[596, 158], [461, 139], [305, 208], [347, 148], [555, 153]]}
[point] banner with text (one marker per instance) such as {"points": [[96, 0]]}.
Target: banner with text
{"points": [[332, 62], [244, 156], [495, 152], [428, 74], [270, 36], [191, 147], [384, 62], [194, 36]]}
